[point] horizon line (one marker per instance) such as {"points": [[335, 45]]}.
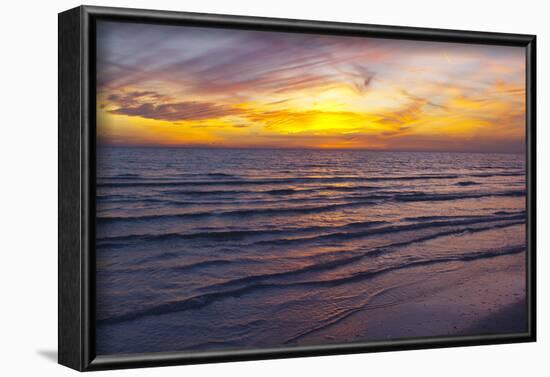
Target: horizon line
{"points": [[156, 146]]}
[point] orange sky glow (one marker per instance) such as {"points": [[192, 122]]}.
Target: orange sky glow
{"points": [[160, 85]]}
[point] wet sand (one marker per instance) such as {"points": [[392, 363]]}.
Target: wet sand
{"points": [[472, 298], [512, 318]]}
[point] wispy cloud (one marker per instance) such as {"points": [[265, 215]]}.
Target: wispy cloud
{"points": [[160, 84], [178, 111]]}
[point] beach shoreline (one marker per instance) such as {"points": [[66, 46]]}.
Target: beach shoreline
{"points": [[479, 298]]}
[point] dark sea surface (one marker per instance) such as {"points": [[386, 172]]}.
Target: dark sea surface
{"points": [[217, 249]]}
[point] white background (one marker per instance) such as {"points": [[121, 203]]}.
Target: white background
{"points": [[28, 184]]}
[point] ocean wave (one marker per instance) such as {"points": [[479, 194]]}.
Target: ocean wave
{"points": [[450, 217], [356, 255], [220, 175], [343, 236], [121, 176], [467, 183], [231, 234], [241, 181], [202, 300], [180, 268], [239, 212], [198, 197], [293, 180], [498, 174], [421, 196], [368, 200], [279, 192]]}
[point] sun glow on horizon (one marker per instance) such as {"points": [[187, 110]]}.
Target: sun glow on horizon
{"points": [[232, 88]]}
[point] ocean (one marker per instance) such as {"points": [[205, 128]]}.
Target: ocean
{"points": [[221, 249]]}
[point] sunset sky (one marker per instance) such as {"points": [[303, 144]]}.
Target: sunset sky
{"points": [[163, 85]]}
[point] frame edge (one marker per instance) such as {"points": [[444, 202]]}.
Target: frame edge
{"points": [[309, 26], [70, 339], [531, 136]]}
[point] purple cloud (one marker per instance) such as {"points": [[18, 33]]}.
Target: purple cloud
{"points": [[179, 111]]}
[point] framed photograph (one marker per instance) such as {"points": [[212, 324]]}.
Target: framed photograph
{"points": [[238, 188]]}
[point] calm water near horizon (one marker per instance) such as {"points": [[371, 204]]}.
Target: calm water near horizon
{"points": [[211, 249]]}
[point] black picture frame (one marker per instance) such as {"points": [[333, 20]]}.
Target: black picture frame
{"points": [[76, 186]]}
